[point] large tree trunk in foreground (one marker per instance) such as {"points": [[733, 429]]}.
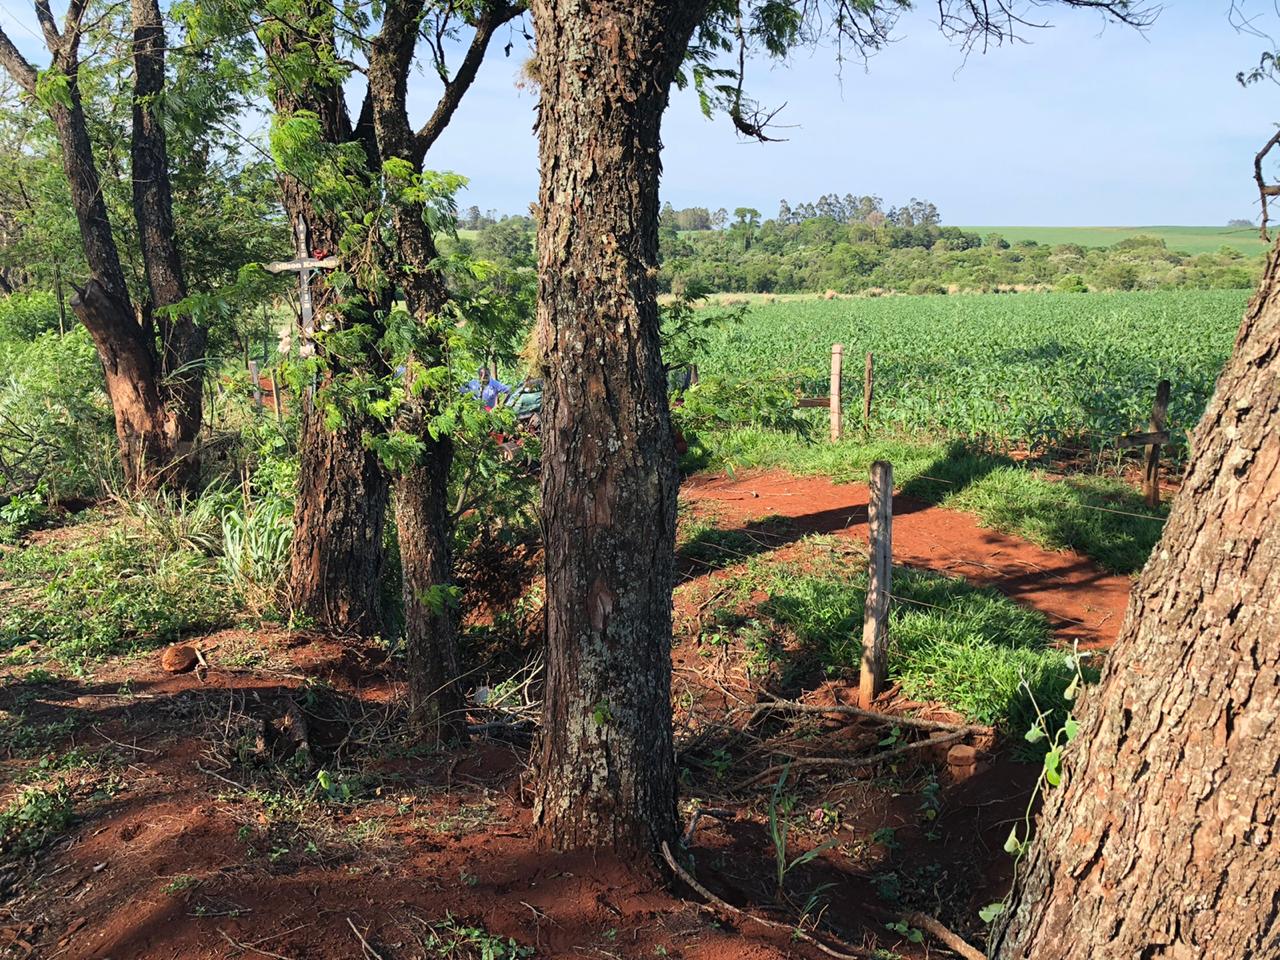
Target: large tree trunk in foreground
{"points": [[605, 758], [1162, 840]]}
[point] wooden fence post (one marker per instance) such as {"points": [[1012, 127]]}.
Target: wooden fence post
{"points": [[868, 382], [257, 384], [1151, 475], [837, 415], [875, 622], [275, 398]]}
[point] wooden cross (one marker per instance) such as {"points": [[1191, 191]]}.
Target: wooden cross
{"points": [[302, 265]]}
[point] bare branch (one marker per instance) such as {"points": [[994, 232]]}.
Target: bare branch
{"points": [[16, 65], [494, 16], [1265, 189], [987, 23], [48, 26]]}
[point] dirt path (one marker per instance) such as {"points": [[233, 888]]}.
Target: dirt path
{"points": [[1082, 602]]}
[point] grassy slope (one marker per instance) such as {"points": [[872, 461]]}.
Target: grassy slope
{"points": [[1188, 239], [1055, 513], [975, 650]]}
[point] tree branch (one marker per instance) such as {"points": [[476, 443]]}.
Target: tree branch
{"points": [[48, 26], [16, 65], [1265, 189], [493, 17]]}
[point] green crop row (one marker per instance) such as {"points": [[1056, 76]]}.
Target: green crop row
{"points": [[1044, 370]]}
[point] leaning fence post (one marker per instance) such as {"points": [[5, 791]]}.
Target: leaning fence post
{"points": [[257, 384], [868, 382], [1151, 474], [837, 415], [875, 621]]}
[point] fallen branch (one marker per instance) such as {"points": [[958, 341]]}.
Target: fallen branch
{"points": [[944, 936], [901, 720], [853, 763], [364, 944], [248, 946], [846, 952]]}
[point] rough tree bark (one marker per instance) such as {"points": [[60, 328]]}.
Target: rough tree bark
{"points": [[605, 758], [423, 516], [1161, 842], [338, 557], [152, 420], [182, 340]]}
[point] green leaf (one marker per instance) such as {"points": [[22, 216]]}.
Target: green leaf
{"points": [[1052, 767], [1071, 728], [991, 911], [1013, 846], [1035, 734]]}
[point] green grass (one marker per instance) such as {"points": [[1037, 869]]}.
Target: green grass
{"points": [[1100, 517], [971, 649], [83, 602], [1186, 239]]}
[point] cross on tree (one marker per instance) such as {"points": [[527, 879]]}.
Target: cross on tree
{"points": [[302, 265]]}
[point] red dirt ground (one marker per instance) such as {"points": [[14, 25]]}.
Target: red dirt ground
{"points": [[186, 856], [1082, 602]]}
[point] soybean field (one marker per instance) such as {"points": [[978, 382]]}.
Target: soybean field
{"points": [[1041, 370]]}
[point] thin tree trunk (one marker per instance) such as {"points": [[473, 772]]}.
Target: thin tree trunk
{"points": [[436, 704], [133, 379], [153, 430], [605, 759], [424, 520], [182, 341], [1161, 842]]}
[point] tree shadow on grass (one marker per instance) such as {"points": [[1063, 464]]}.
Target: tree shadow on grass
{"points": [[963, 465]]}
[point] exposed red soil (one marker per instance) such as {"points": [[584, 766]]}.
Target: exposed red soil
{"points": [[1082, 602], [178, 862], [177, 852]]}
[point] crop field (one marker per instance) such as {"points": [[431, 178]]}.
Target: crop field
{"points": [[1186, 239], [1035, 369]]}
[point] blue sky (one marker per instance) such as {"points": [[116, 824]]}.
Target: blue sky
{"points": [[1088, 124]]}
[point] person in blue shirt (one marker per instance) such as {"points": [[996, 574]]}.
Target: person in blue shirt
{"points": [[486, 389]]}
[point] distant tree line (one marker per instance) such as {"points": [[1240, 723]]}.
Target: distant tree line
{"points": [[853, 244]]}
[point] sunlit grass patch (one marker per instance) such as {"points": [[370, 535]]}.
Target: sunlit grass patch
{"points": [[969, 648]]}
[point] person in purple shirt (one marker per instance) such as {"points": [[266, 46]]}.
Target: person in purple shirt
{"points": [[486, 389]]}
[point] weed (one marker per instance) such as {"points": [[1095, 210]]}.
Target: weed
{"points": [[180, 883], [781, 806], [448, 939], [971, 649], [905, 930], [33, 818], [109, 596]]}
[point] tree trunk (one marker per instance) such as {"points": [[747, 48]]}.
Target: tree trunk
{"points": [[436, 704], [337, 560], [424, 519], [1161, 842], [336, 566], [144, 428], [148, 453], [182, 341], [605, 758]]}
